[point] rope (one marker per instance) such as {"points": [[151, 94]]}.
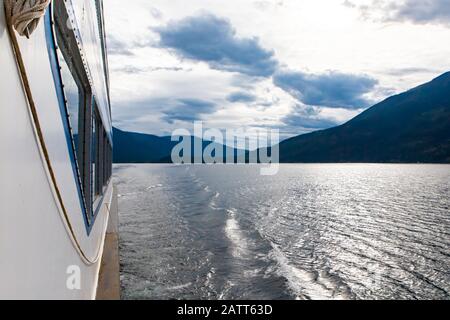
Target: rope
{"points": [[9, 4], [24, 15]]}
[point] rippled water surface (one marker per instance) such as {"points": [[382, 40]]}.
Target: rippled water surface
{"points": [[310, 232]]}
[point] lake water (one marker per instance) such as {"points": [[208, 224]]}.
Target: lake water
{"points": [[310, 232]]}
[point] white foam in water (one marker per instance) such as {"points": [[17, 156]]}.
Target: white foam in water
{"points": [[235, 234], [304, 284], [155, 186], [228, 286], [181, 286], [213, 204]]}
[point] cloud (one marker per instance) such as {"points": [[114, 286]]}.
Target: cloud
{"points": [[188, 110], [156, 13], [213, 40], [307, 117], [400, 72], [130, 69], [264, 5], [241, 97], [125, 48], [331, 89], [415, 11], [117, 47]]}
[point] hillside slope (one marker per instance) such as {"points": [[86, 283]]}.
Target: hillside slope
{"points": [[410, 127]]}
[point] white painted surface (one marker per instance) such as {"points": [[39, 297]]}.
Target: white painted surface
{"points": [[113, 223], [35, 247]]}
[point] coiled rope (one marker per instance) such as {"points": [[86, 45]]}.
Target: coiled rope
{"points": [[24, 15]]}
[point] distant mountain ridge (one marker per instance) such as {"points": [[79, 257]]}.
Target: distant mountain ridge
{"points": [[407, 128], [411, 127], [131, 147]]}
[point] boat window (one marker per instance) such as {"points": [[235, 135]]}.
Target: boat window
{"points": [[94, 159], [99, 146], [74, 98], [92, 152], [105, 160], [101, 160], [77, 98]]}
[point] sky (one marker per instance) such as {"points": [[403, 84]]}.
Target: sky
{"points": [[293, 65]]}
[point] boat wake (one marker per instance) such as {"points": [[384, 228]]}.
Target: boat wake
{"points": [[235, 235], [307, 285]]}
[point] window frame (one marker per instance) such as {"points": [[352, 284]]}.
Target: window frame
{"points": [[63, 42], [67, 46]]}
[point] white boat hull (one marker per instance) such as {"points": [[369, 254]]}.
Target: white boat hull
{"points": [[46, 251]]}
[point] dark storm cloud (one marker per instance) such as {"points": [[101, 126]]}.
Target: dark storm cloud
{"points": [[423, 11], [332, 89], [416, 11], [188, 110], [300, 121], [213, 40], [241, 97], [306, 117], [166, 109]]}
